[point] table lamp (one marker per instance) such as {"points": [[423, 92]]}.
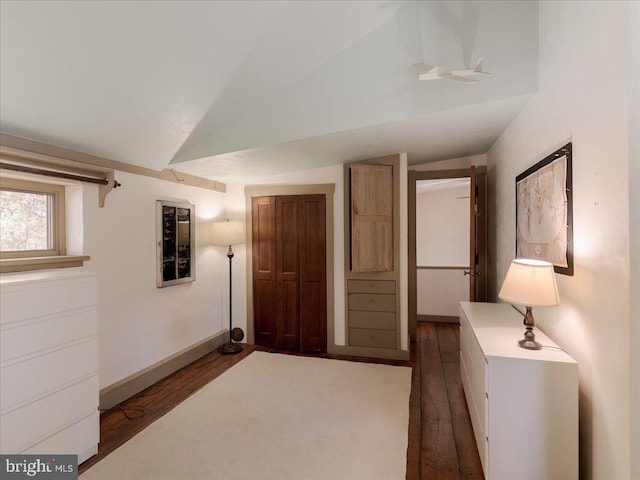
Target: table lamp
{"points": [[531, 283]]}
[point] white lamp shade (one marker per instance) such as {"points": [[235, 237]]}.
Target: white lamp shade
{"points": [[229, 232], [531, 283]]}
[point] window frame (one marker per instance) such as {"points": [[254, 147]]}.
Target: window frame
{"points": [[58, 234]]}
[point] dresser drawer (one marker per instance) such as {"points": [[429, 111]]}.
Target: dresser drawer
{"points": [[60, 295], [477, 412], [366, 337], [80, 438], [372, 302], [474, 361], [375, 320], [372, 286], [26, 380], [34, 335], [26, 426]]}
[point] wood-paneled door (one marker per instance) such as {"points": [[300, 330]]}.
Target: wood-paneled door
{"points": [[263, 210], [289, 272], [371, 218], [473, 250]]}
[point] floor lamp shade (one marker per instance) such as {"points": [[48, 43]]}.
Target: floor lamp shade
{"points": [[229, 233], [531, 283]]}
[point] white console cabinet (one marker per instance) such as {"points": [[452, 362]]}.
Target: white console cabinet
{"points": [[523, 403], [49, 363]]}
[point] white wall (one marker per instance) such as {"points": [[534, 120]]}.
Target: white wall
{"points": [[140, 324], [442, 225], [235, 202], [442, 240], [451, 164], [583, 98], [439, 292]]}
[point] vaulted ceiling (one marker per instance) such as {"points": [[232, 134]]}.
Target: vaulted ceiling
{"points": [[231, 90]]}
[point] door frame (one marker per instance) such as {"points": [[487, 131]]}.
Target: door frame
{"points": [[413, 176], [326, 189]]}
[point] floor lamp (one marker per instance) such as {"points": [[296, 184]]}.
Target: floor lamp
{"points": [[229, 233]]}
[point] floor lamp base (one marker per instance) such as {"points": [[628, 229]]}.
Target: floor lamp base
{"points": [[230, 347]]}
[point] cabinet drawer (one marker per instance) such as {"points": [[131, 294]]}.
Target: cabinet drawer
{"points": [[372, 302], [81, 438], [52, 297], [36, 421], [375, 320], [477, 413], [27, 380], [34, 335], [372, 286], [366, 337], [476, 365]]}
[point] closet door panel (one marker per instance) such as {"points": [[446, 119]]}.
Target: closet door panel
{"points": [[287, 271], [313, 291], [264, 270]]}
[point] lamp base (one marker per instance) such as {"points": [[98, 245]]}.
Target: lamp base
{"points": [[230, 347], [529, 340], [529, 344]]}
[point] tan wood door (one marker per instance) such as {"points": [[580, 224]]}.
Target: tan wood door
{"points": [[371, 218]]}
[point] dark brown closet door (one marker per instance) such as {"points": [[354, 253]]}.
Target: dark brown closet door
{"points": [[313, 273], [264, 269], [287, 272]]}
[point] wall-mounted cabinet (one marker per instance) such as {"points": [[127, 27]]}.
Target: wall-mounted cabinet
{"points": [[371, 218], [175, 224], [372, 273]]}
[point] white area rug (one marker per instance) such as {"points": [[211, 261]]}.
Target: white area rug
{"points": [[275, 416]]}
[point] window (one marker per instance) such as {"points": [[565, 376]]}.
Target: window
{"points": [[32, 222]]}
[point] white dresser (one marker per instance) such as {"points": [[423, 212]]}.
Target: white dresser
{"points": [[523, 403], [49, 363]]}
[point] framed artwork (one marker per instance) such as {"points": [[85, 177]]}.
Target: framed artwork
{"points": [[175, 243], [544, 211]]}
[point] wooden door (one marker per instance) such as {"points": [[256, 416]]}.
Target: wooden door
{"points": [[289, 272], [477, 237], [313, 274], [371, 218], [473, 205], [264, 269], [481, 237]]}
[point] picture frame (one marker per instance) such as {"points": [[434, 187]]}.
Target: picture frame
{"points": [[175, 243], [544, 211]]}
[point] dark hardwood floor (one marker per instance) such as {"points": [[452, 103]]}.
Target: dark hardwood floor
{"points": [[441, 443]]}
